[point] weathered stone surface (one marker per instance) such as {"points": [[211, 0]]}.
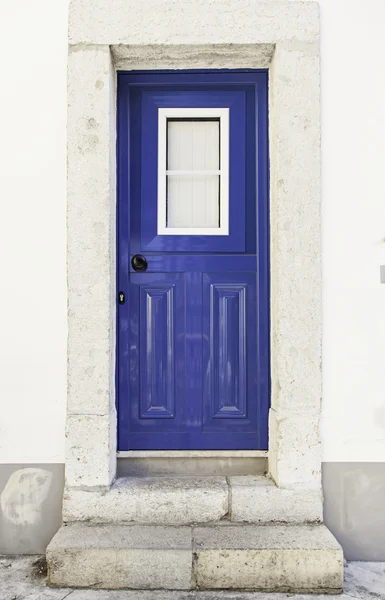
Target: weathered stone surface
{"points": [[363, 580], [113, 557], [195, 57], [157, 500], [90, 460], [222, 34], [271, 558], [196, 463], [286, 558], [259, 500], [295, 222], [198, 22], [91, 134], [295, 459], [294, 104]]}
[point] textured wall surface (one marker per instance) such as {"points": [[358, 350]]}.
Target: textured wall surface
{"points": [[295, 258], [184, 22], [91, 135], [30, 506], [354, 507]]}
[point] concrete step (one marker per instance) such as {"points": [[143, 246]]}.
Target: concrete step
{"points": [[285, 558], [179, 500]]}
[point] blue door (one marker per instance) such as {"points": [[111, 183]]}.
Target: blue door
{"points": [[193, 322]]}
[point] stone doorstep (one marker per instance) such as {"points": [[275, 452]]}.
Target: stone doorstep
{"points": [[186, 500], [198, 463], [285, 558]]}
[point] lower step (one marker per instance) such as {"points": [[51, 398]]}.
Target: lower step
{"points": [[286, 558]]}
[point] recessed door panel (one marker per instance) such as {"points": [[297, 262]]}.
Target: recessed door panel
{"points": [[157, 345], [157, 359], [229, 337]]}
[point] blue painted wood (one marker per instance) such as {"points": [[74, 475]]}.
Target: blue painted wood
{"points": [[157, 316], [235, 100], [193, 335], [229, 349], [159, 263], [157, 351], [229, 352]]}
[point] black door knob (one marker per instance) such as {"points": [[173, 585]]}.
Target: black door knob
{"points": [[139, 263]]}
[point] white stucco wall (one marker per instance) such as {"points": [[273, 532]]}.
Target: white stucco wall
{"points": [[32, 230], [353, 212], [33, 40]]}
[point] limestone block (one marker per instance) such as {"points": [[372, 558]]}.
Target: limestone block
{"points": [[259, 500], [295, 227], [241, 56], [269, 558], [296, 456], [186, 22], [121, 556], [284, 558], [156, 500], [91, 231], [90, 443]]}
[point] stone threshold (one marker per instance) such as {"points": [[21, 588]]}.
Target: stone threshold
{"points": [[284, 558], [192, 462], [183, 500]]}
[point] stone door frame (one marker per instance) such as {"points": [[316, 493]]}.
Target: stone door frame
{"points": [[110, 35]]}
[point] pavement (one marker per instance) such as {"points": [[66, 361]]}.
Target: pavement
{"points": [[24, 578]]}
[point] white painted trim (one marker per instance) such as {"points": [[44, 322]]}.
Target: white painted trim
{"points": [[168, 113], [215, 172], [193, 454]]}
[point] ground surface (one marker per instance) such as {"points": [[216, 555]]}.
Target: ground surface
{"points": [[23, 578]]}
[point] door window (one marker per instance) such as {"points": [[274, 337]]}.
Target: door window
{"points": [[193, 171]]}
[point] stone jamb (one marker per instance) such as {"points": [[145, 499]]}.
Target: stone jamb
{"points": [[116, 34]]}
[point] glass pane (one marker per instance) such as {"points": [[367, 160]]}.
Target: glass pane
{"points": [[193, 201], [192, 145]]}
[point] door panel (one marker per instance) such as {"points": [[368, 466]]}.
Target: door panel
{"points": [[229, 337], [227, 365], [157, 358], [193, 335], [157, 316]]}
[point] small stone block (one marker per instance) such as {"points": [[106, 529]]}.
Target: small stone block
{"points": [[279, 558], [259, 500], [120, 556], [152, 501]]}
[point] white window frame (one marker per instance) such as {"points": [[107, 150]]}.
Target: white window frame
{"points": [[223, 172]]}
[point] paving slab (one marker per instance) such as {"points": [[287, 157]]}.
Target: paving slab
{"points": [[365, 580]]}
